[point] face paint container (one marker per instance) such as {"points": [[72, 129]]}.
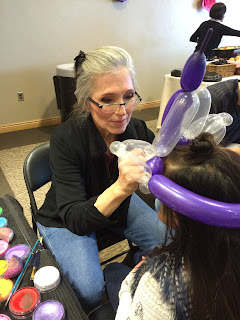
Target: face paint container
{"points": [[49, 310], [21, 250], [23, 302], [3, 247], [3, 222], [6, 286], [47, 279], [3, 267], [4, 317]]}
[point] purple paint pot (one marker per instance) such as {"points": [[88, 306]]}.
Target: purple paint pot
{"points": [[3, 247], [4, 317], [21, 250], [49, 310]]}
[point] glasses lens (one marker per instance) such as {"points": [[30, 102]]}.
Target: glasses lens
{"points": [[111, 108]]}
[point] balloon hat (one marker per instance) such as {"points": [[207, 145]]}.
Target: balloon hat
{"points": [[186, 115]]}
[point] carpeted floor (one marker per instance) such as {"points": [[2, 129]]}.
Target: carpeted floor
{"points": [[11, 163]]}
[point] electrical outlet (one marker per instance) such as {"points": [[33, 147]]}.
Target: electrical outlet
{"points": [[20, 96]]}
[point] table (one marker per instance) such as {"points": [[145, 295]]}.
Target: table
{"points": [[23, 233], [171, 85]]}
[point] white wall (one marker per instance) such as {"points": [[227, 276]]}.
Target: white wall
{"points": [[35, 36]]}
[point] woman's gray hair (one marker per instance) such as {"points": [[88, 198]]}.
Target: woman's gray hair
{"points": [[107, 59]]}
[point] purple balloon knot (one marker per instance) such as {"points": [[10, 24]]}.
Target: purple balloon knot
{"points": [[156, 165], [183, 141]]}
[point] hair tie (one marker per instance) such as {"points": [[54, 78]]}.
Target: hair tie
{"points": [[80, 58]]}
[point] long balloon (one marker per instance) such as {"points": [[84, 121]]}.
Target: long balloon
{"points": [[194, 206]]}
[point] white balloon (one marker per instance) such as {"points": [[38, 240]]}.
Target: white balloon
{"points": [[216, 125], [119, 148], [123, 151], [199, 120]]}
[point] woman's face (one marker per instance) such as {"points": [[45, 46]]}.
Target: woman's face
{"points": [[112, 88]]}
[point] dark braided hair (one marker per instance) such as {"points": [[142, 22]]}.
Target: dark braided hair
{"points": [[209, 256]]}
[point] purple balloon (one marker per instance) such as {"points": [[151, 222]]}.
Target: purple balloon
{"points": [[156, 165], [194, 206], [169, 104], [183, 141], [195, 67], [180, 115]]}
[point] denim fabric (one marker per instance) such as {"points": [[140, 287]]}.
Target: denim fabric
{"points": [[114, 274], [78, 255]]}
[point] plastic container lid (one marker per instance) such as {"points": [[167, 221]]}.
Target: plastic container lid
{"points": [[212, 77], [49, 310], [6, 234], [6, 286], [4, 317], [3, 247], [3, 266], [21, 250], [47, 278], [3, 222], [24, 301], [176, 72], [66, 70]]}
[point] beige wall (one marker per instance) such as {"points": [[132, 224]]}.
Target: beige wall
{"points": [[35, 36]]}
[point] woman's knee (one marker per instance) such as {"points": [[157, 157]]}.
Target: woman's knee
{"points": [[90, 293]]}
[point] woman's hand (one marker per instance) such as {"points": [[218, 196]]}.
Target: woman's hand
{"points": [[131, 170]]}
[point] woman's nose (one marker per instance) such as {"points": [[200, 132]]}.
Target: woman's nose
{"points": [[121, 109]]}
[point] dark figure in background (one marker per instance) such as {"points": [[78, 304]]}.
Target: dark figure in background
{"points": [[217, 14], [226, 98]]}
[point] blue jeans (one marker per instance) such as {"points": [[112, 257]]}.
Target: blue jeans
{"points": [[78, 257], [114, 274]]}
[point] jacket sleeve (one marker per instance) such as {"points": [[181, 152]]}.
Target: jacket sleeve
{"points": [[195, 36], [226, 31], [77, 212]]}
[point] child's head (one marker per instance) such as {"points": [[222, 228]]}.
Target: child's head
{"points": [[205, 169], [218, 11]]}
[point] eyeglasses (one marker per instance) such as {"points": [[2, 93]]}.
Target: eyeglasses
{"points": [[113, 107]]}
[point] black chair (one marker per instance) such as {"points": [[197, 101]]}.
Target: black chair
{"points": [[37, 172]]}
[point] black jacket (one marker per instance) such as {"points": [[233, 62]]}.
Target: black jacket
{"points": [[80, 175], [224, 96], [219, 30]]}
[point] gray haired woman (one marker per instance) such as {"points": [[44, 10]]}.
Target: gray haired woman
{"points": [[89, 192]]}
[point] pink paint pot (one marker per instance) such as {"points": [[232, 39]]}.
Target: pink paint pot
{"points": [[23, 302], [4, 317], [3, 247]]}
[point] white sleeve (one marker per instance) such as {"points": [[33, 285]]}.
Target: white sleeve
{"points": [[125, 298]]}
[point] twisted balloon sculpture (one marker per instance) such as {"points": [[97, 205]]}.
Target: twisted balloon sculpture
{"points": [[185, 116]]}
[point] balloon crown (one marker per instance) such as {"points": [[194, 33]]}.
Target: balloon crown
{"points": [[186, 115]]}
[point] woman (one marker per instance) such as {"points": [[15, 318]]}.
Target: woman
{"points": [[196, 275], [216, 13], [88, 192]]}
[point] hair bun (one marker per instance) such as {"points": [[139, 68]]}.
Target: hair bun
{"points": [[203, 143]]}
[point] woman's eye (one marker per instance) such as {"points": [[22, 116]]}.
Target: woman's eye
{"points": [[129, 96], [106, 100]]}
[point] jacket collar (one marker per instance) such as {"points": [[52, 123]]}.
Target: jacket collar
{"points": [[97, 145]]}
